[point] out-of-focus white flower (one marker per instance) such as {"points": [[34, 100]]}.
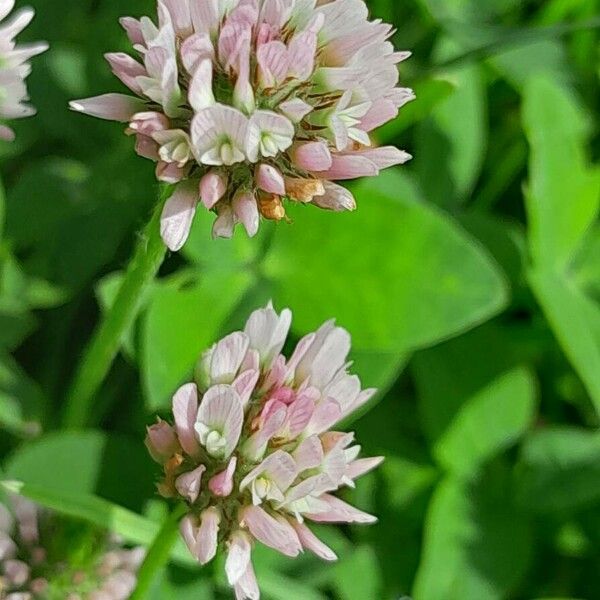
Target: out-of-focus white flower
{"points": [[32, 567], [14, 66]]}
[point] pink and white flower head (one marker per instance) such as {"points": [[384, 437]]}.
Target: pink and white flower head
{"points": [[247, 103], [14, 66], [33, 565], [252, 450]]}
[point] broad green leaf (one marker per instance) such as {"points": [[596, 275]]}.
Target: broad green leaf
{"points": [[184, 318], [358, 576], [467, 10], [575, 320], [2, 208], [505, 240], [22, 403], [474, 404], [406, 480], [562, 204], [517, 64], [559, 469], [564, 193], [183, 587], [276, 586], [476, 545], [85, 463], [430, 93], [451, 144], [396, 273], [134, 528], [222, 254]]}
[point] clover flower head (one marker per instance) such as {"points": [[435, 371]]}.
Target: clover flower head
{"points": [[14, 66], [31, 570], [252, 451], [247, 103]]}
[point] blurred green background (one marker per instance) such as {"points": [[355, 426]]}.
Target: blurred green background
{"points": [[469, 279]]}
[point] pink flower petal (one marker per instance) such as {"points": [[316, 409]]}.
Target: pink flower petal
{"points": [[311, 542], [224, 223], [220, 420], [245, 208], [134, 30], [270, 531], [279, 468], [340, 512], [188, 484], [267, 332], [227, 357], [273, 63], [326, 356], [208, 535], [312, 156], [309, 454], [212, 188], [238, 556], [295, 110], [246, 587], [185, 411], [178, 214], [302, 51], [361, 467], [221, 484], [161, 441], [269, 179], [200, 93], [336, 198], [112, 107], [126, 69], [245, 383], [350, 166]]}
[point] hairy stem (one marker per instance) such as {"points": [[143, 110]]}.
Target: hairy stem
{"points": [[106, 340]]}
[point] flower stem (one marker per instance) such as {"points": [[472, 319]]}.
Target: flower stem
{"points": [[159, 554], [106, 341]]}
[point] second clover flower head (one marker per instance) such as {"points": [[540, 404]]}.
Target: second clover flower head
{"points": [[253, 451], [247, 103]]}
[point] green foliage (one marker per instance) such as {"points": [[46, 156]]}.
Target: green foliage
{"points": [[469, 280]]}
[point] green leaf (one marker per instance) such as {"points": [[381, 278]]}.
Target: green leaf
{"points": [[182, 587], [86, 463], [158, 554], [22, 403], [474, 403], [575, 320], [183, 319], [475, 546], [362, 269], [134, 528], [559, 469], [407, 480], [564, 193], [276, 586], [358, 576], [430, 93], [562, 204], [451, 144]]}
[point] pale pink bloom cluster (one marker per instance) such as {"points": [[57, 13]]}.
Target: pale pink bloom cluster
{"points": [[252, 449], [14, 66], [30, 571], [247, 103]]}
